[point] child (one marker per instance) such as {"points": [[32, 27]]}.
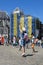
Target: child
{"points": [[32, 45]]}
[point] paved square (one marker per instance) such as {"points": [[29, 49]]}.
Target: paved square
{"points": [[12, 56]]}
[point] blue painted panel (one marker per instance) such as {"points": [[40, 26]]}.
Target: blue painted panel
{"points": [[18, 22], [11, 27], [33, 26]]}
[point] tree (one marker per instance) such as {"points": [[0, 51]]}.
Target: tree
{"points": [[38, 23]]}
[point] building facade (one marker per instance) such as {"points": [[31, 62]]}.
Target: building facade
{"points": [[14, 23], [27, 21], [4, 22]]}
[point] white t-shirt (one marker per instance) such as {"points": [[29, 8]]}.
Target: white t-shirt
{"points": [[14, 40], [19, 41], [33, 38]]}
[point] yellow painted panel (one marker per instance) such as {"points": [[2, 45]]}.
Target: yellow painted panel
{"points": [[29, 26], [15, 24], [21, 23]]}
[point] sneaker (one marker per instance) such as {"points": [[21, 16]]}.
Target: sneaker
{"points": [[23, 55]]}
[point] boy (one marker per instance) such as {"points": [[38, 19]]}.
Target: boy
{"points": [[33, 44]]}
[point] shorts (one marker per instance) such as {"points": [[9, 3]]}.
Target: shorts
{"points": [[23, 42], [32, 45]]}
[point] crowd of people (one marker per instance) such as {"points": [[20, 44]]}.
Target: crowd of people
{"points": [[22, 41]]}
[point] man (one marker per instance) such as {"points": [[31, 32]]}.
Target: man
{"points": [[22, 31], [23, 41]]}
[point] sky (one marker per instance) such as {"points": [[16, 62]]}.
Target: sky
{"points": [[29, 7]]}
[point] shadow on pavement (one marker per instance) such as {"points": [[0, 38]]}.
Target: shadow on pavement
{"points": [[35, 51], [27, 55], [30, 54]]}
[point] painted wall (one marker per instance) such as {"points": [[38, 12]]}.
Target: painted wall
{"points": [[15, 24], [18, 21], [29, 26]]}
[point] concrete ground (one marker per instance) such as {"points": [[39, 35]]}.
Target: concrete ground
{"points": [[12, 56]]}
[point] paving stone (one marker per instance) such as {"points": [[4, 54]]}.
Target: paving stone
{"points": [[12, 56]]}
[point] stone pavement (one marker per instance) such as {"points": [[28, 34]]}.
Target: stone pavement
{"points": [[12, 56]]}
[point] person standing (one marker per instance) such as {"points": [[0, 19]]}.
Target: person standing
{"points": [[0, 39], [32, 41], [14, 41]]}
